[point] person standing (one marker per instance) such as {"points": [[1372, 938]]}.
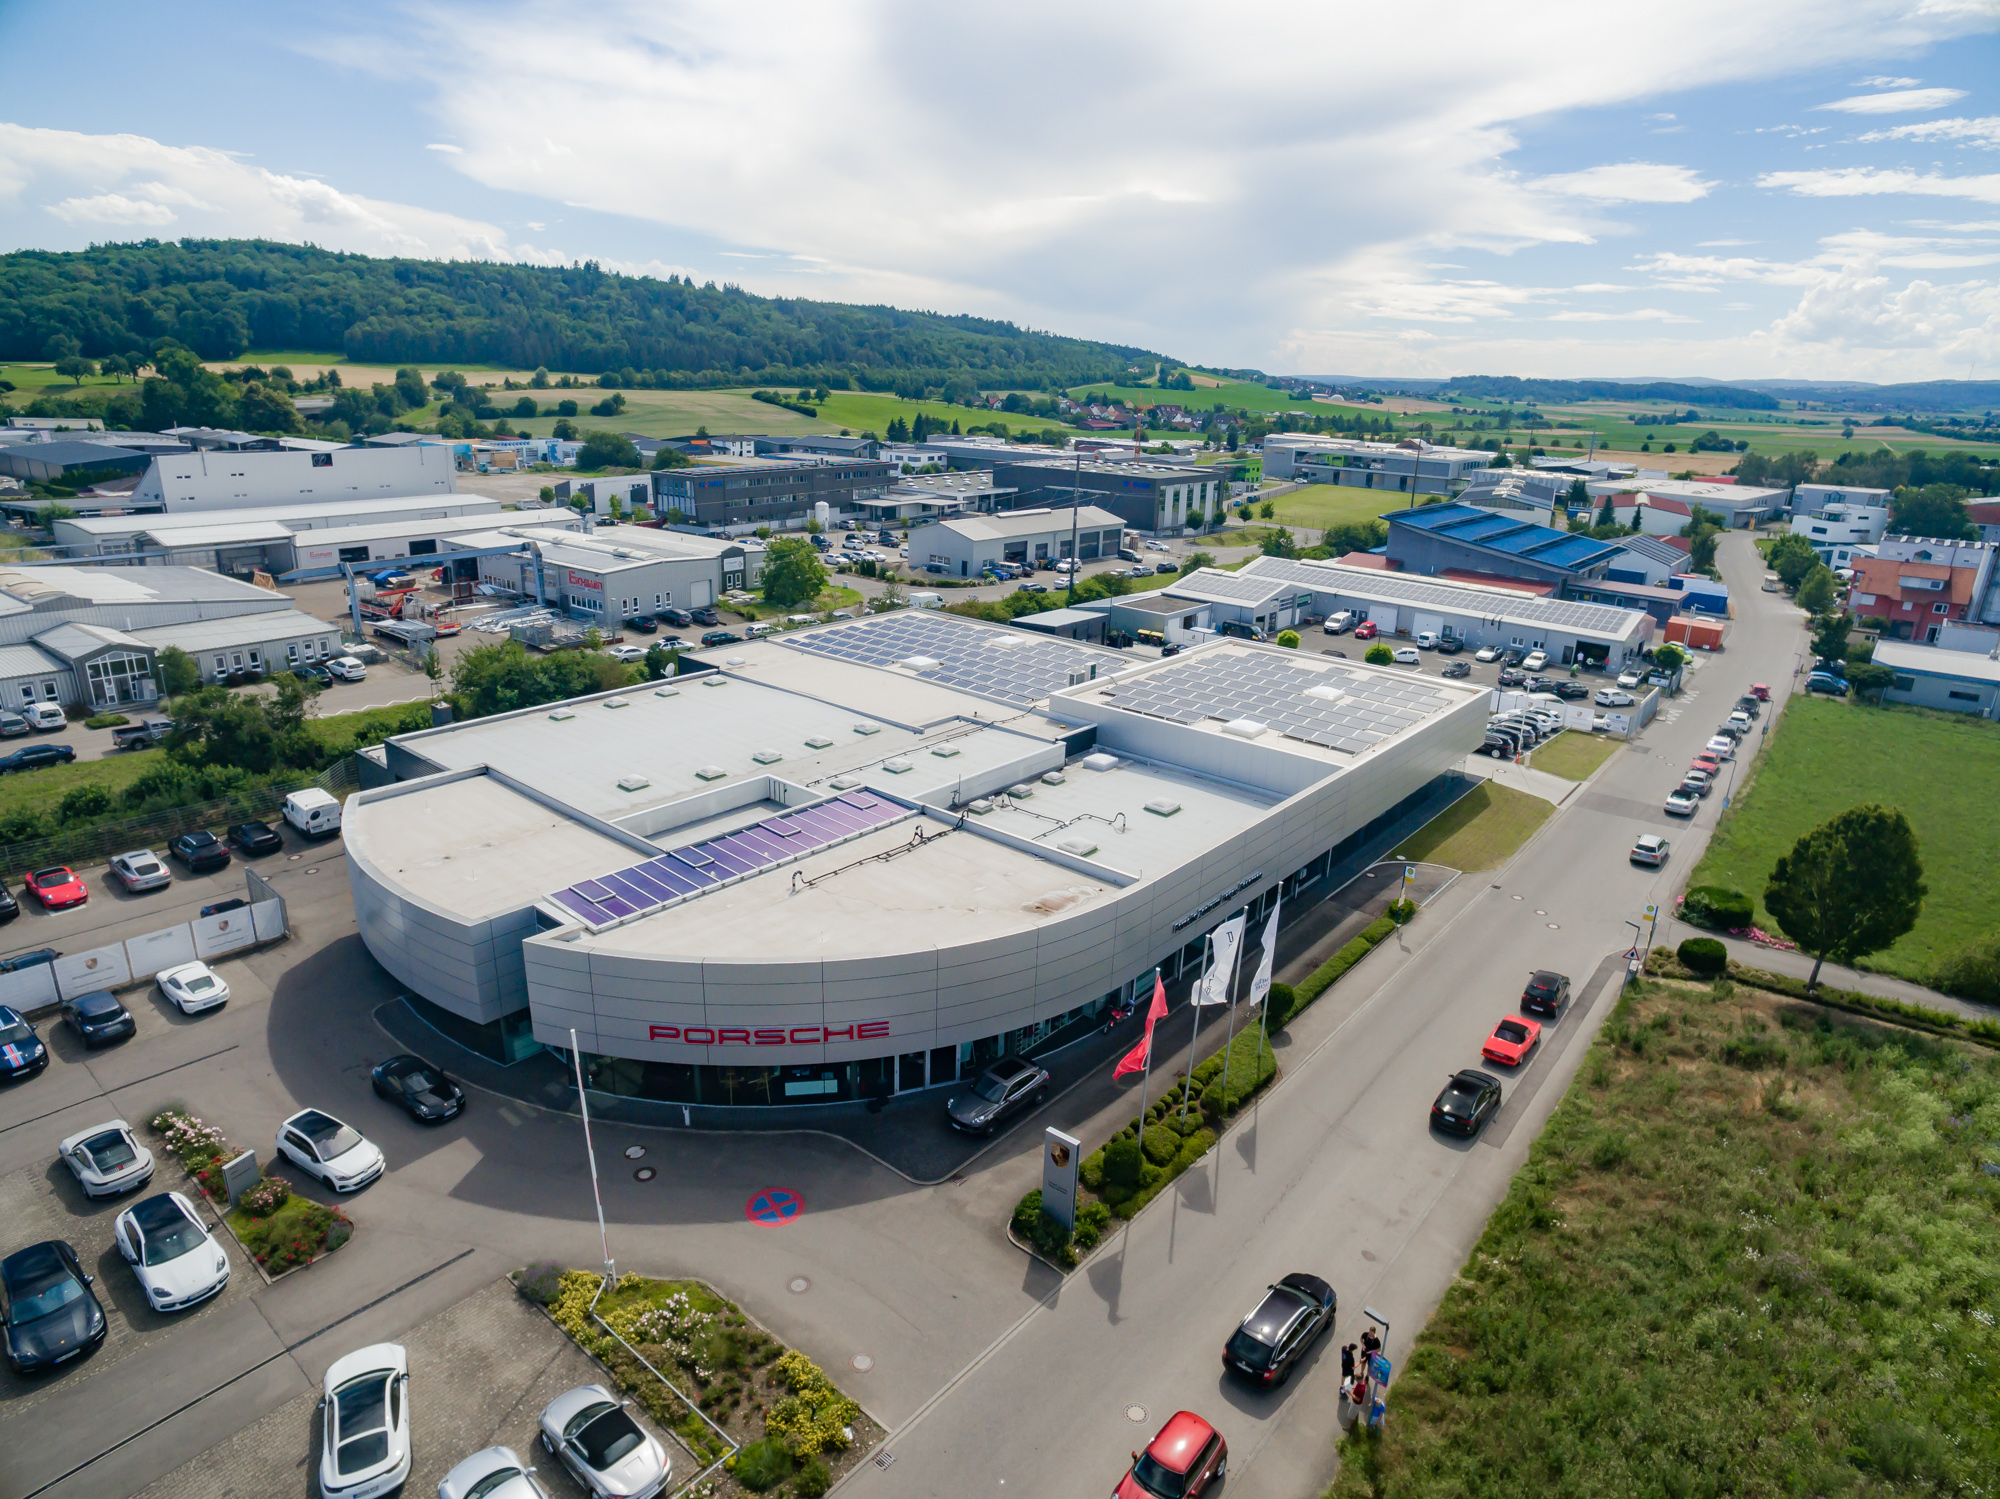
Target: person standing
{"points": [[1371, 1341], [1346, 1364]]}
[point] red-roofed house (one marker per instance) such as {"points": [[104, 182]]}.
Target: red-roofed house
{"points": [[1918, 586], [1985, 518], [1658, 515]]}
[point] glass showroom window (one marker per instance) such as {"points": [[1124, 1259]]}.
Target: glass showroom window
{"points": [[120, 679]]}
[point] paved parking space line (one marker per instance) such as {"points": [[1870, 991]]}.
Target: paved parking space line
{"points": [[416, 1279], [104, 1092], [1545, 1062]]}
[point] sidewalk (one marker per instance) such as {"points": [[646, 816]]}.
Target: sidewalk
{"points": [[1798, 965], [1522, 778]]}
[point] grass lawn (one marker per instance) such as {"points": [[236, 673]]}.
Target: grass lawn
{"points": [[1828, 756], [1324, 505], [833, 596], [1480, 830], [1754, 1252], [1574, 756]]}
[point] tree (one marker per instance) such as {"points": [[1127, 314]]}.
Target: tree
{"points": [[46, 516], [671, 457], [793, 573], [1936, 510], [1579, 495], [1830, 635], [1850, 887], [891, 597], [1278, 542], [74, 367], [1670, 657], [608, 450], [115, 365], [1791, 557], [176, 671], [1289, 639], [1607, 513], [1194, 561], [1816, 591], [1380, 654], [660, 661], [1870, 680]]}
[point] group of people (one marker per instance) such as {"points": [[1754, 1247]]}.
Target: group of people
{"points": [[1354, 1382]]}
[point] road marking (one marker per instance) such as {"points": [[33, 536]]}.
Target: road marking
{"points": [[774, 1205], [115, 1088]]}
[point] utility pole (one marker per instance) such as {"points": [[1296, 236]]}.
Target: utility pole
{"points": [[1075, 514], [590, 1150]]}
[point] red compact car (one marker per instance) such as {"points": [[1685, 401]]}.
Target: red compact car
{"points": [[1512, 1039], [57, 888], [1366, 630], [1186, 1459]]}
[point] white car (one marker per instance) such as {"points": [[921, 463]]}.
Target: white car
{"points": [[1535, 661], [604, 1449], [496, 1473], [1722, 747], [1487, 653], [1680, 804], [1651, 849], [348, 668], [365, 1402], [328, 1150], [1066, 566], [141, 870], [1156, 546], [1611, 697], [107, 1159], [1600, 722], [171, 1252], [1631, 677], [193, 987], [1406, 655], [627, 653]]}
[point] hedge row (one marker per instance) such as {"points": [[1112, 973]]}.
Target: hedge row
{"points": [[1667, 965], [1322, 978]]}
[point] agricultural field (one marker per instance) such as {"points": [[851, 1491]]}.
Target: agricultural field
{"points": [[1827, 756], [1754, 1252]]}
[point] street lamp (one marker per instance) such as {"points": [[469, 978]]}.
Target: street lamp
{"points": [[583, 1105], [1374, 1316]]}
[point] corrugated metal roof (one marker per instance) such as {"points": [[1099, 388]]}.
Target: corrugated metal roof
{"points": [[27, 661], [1935, 661], [1602, 620], [242, 629], [74, 641]]}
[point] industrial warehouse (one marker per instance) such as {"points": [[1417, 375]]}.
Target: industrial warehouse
{"points": [[870, 856]]}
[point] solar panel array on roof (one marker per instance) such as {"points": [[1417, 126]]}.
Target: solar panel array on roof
{"points": [[716, 861], [1236, 588], [1010, 665], [1597, 619], [1337, 707]]}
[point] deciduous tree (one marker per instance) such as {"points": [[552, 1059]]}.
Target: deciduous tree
{"points": [[1816, 590], [792, 572], [1850, 887]]}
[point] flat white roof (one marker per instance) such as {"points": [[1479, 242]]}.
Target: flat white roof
{"points": [[1031, 522], [1936, 661], [312, 515]]}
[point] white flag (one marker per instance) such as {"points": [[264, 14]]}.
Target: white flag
{"points": [[1224, 943], [1261, 984]]}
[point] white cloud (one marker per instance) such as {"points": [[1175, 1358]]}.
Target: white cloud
{"points": [[448, 150], [1641, 315], [1984, 131], [1628, 182], [113, 208], [1709, 244], [1857, 182], [1858, 309], [1883, 82], [1896, 101]]}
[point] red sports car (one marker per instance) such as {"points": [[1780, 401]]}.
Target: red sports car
{"points": [[57, 888], [1186, 1459], [1366, 630], [1512, 1040]]}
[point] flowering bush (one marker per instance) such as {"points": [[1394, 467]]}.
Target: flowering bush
{"points": [[814, 1417], [266, 1197], [200, 1148]]}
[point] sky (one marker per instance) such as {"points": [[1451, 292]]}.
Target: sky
{"points": [[1790, 189]]}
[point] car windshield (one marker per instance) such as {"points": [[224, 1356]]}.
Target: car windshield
{"points": [[360, 1413], [170, 1238], [199, 983], [1509, 1031], [97, 1006], [422, 1080], [1247, 1349], [50, 877], [13, 1032], [110, 1150], [198, 840], [1457, 1099], [329, 1136], [608, 1439], [991, 1087], [1156, 1478], [499, 1478]]}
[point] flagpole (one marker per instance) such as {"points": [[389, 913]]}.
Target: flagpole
{"points": [[1230, 1039], [1144, 1077], [1195, 1035]]}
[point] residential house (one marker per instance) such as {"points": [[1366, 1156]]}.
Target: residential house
{"points": [[1917, 585]]}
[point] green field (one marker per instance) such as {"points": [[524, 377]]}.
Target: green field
{"points": [[1324, 505], [1574, 756], [1481, 830], [1827, 756], [1754, 1252]]}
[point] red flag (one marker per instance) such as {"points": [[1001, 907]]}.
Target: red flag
{"points": [[1135, 1059]]}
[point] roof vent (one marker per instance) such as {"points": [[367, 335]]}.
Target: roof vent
{"points": [[919, 663], [819, 741], [563, 713], [1243, 728], [666, 692], [710, 773], [1083, 848], [868, 728], [896, 766], [1100, 762], [732, 660], [843, 783], [979, 807], [1053, 778], [767, 756], [633, 783], [1163, 807], [944, 751], [616, 702], [1326, 692], [1021, 792], [715, 679]]}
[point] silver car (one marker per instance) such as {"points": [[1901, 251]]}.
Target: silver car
{"points": [[142, 869], [496, 1473], [107, 1159], [605, 1450]]}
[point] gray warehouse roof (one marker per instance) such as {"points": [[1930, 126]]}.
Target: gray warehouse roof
{"points": [[1030, 522], [241, 629], [1504, 604]]}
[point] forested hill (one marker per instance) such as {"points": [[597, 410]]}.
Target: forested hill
{"points": [[222, 298], [1513, 388]]}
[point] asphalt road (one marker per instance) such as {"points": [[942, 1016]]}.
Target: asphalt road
{"points": [[978, 1360]]}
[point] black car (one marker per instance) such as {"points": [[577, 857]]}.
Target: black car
{"points": [[721, 637], [313, 672], [705, 615], [1457, 669], [1450, 645], [52, 1314], [1569, 692], [1514, 655], [22, 960], [98, 1018], [234, 903], [1512, 676], [35, 756], [418, 1089], [9, 907], [201, 851], [1288, 1321], [254, 838], [1546, 993], [680, 619], [22, 1053], [1003, 1090], [1470, 1098], [644, 625]]}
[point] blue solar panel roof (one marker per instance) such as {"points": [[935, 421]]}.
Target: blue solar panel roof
{"points": [[1505, 534]]}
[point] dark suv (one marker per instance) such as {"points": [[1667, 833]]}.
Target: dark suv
{"points": [[1287, 1322], [1547, 993], [706, 616], [200, 851], [1002, 1091]]}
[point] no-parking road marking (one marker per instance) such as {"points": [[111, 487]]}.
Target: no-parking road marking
{"points": [[774, 1205]]}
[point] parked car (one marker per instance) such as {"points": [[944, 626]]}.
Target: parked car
{"points": [[1449, 645], [254, 838], [200, 850], [1819, 682], [22, 960], [45, 716], [1469, 1099], [1612, 697], [35, 756], [329, 1151], [141, 870], [57, 888], [1681, 803], [1547, 992], [1570, 692], [680, 619], [1697, 783], [348, 668], [9, 907], [496, 1473], [52, 1314], [1760, 691], [98, 1018], [1427, 640], [590, 1432], [1722, 747], [1164, 569], [1534, 661], [1457, 669], [233, 903], [1367, 630], [1512, 1040], [22, 1052], [1003, 1090], [142, 735], [1487, 653], [1269, 1343], [626, 653], [418, 1089], [705, 615], [1187, 1459], [192, 988], [1031, 588], [365, 1403], [313, 672], [1650, 850], [107, 1159], [645, 624], [173, 1256], [1339, 622], [1631, 677], [13, 724], [1513, 676], [1406, 655], [721, 637]]}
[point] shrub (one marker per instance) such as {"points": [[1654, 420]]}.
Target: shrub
{"points": [[1753, 1049], [814, 1415], [106, 721], [1123, 1163], [1162, 1144], [85, 803], [1716, 907], [1289, 639], [813, 1480], [1379, 654], [266, 1197], [1282, 1001], [1973, 972], [1401, 911], [1092, 1218], [541, 1283], [763, 1464], [1703, 955]]}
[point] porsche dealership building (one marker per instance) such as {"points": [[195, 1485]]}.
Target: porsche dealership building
{"points": [[873, 855]]}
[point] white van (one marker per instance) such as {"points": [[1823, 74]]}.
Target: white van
{"points": [[313, 812], [926, 601], [1339, 624], [45, 715], [759, 629], [1427, 640], [1770, 582]]}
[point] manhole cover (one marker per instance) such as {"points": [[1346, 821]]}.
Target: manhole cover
{"points": [[1516, 897], [312, 869], [1554, 927], [1541, 913], [634, 1152], [799, 1285], [644, 1174], [861, 1363], [1136, 1413]]}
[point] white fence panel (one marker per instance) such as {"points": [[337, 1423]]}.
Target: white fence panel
{"points": [[155, 951], [100, 968], [216, 935], [28, 988], [267, 918]]}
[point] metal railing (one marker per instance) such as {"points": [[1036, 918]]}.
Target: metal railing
{"points": [[603, 1285]]}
